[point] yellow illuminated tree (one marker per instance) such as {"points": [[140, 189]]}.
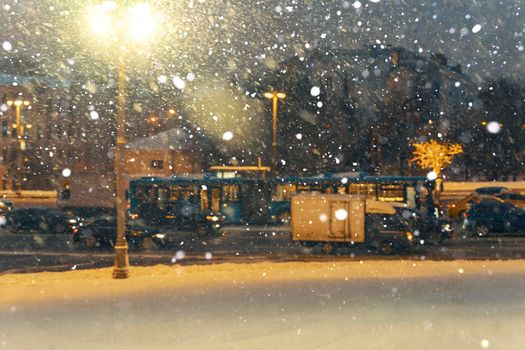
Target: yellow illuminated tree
{"points": [[434, 155]]}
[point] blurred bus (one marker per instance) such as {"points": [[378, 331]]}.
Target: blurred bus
{"points": [[170, 201]]}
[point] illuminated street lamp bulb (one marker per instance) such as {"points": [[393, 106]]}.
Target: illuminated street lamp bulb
{"points": [[172, 111], [227, 136], [280, 95], [142, 23], [100, 20]]}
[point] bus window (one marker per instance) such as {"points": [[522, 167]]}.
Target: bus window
{"points": [[391, 193], [204, 199], [215, 199], [180, 193], [162, 197], [144, 194], [363, 189], [283, 193], [411, 194], [230, 193], [341, 190], [309, 188]]}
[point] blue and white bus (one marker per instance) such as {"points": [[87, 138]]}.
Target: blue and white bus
{"points": [[175, 201]]}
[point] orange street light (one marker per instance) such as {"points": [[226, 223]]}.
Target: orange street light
{"points": [[153, 119], [20, 126], [274, 96], [136, 23]]}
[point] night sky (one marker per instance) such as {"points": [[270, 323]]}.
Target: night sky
{"points": [[220, 38]]}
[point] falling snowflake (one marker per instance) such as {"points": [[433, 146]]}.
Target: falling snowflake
{"points": [[315, 91], [493, 127]]}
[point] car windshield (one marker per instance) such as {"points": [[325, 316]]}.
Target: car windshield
{"points": [[236, 174], [512, 196]]}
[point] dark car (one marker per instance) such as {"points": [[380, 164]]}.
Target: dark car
{"points": [[491, 191], [103, 232], [487, 218], [41, 219], [5, 206], [388, 233], [427, 227]]}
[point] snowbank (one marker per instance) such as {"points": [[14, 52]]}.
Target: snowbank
{"points": [[27, 289]]}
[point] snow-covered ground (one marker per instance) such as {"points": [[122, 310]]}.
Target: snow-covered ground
{"points": [[300, 305]]}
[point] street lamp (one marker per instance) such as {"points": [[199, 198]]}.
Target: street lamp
{"points": [[117, 25], [20, 126], [274, 96]]}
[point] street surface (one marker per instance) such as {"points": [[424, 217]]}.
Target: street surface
{"points": [[30, 252]]}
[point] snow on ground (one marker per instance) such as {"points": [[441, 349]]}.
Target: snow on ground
{"points": [[22, 289], [298, 305]]}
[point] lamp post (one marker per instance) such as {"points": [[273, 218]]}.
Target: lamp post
{"points": [[137, 23], [274, 96], [20, 132], [121, 268]]}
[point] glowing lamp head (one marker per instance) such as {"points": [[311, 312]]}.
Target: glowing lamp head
{"points": [[137, 23], [280, 95], [142, 22], [101, 21]]}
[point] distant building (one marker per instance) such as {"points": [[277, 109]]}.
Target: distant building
{"points": [[34, 121], [177, 151]]}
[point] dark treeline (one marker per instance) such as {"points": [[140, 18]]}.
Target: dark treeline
{"points": [[363, 110]]}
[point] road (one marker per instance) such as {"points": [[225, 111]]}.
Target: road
{"points": [[31, 252]]}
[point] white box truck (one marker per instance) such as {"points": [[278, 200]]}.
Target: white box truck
{"points": [[331, 220]]}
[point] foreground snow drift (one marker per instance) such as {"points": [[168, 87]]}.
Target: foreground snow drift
{"points": [[339, 305]]}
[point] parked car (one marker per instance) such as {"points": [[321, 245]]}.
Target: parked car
{"points": [[513, 198], [457, 208], [41, 219], [495, 217], [103, 232], [491, 191]]}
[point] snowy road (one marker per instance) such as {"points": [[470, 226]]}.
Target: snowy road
{"points": [[375, 305], [31, 253]]}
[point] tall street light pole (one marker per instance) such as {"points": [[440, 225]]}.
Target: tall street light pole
{"points": [[274, 96], [20, 133], [138, 23], [121, 269]]}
